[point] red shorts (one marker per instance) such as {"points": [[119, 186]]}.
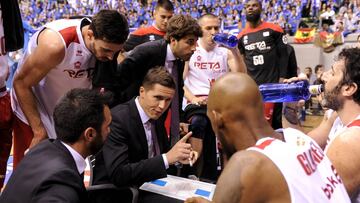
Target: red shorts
{"points": [[5, 112], [268, 111], [6, 117], [23, 135]]}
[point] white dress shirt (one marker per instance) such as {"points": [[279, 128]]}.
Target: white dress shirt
{"points": [[170, 58], [79, 160], [147, 128]]}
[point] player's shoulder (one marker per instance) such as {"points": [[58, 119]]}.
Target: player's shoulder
{"points": [[243, 32], [148, 30], [346, 142], [254, 169], [51, 40], [350, 136], [248, 160], [272, 26], [261, 27]]}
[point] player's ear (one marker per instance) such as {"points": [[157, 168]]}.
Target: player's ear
{"points": [[89, 134], [218, 119], [90, 33], [350, 89]]}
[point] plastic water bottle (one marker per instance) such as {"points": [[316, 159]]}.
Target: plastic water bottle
{"points": [[289, 92], [227, 40]]}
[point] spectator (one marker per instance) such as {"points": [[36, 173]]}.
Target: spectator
{"points": [[319, 70], [309, 74], [143, 12], [328, 15]]}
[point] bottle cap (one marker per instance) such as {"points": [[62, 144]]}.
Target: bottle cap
{"points": [[316, 89]]}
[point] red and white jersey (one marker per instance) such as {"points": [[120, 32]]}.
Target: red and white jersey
{"points": [[204, 68], [3, 58], [338, 127], [74, 71], [308, 172]]}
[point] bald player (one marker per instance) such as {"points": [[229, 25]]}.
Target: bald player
{"points": [[265, 165]]}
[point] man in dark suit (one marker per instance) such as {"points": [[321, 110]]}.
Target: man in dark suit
{"points": [[180, 43], [137, 149], [52, 170], [178, 46]]}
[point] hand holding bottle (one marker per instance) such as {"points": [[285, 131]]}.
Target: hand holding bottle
{"points": [[227, 40], [289, 92]]}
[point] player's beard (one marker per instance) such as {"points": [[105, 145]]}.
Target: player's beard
{"points": [[253, 18], [96, 144], [331, 99]]}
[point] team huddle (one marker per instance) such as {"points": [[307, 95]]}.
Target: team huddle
{"points": [[167, 99]]}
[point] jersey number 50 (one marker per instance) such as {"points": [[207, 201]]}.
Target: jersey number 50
{"points": [[258, 60]]}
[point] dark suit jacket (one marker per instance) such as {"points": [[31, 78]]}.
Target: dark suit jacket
{"points": [[124, 160], [47, 173], [125, 80], [292, 63], [13, 27]]}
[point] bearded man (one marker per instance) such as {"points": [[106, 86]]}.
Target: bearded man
{"points": [[263, 46]]}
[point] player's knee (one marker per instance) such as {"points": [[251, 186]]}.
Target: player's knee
{"points": [[198, 125]]}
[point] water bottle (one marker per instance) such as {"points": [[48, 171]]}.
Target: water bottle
{"points": [[226, 40], [289, 92]]}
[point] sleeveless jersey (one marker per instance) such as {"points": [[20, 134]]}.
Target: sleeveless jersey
{"points": [[142, 35], [338, 128], [74, 71], [262, 48], [308, 172], [204, 68]]}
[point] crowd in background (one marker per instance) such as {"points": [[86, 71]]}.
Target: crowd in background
{"points": [[343, 15], [287, 13]]}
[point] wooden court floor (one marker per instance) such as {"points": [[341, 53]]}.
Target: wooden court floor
{"points": [[311, 121]]}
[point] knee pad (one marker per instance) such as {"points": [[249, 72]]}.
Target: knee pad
{"points": [[198, 126]]}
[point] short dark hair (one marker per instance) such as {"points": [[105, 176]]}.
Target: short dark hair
{"points": [[78, 110], [110, 26], [180, 26], [165, 4], [158, 75], [317, 67], [351, 56], [259, 1], [207, 15]]}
